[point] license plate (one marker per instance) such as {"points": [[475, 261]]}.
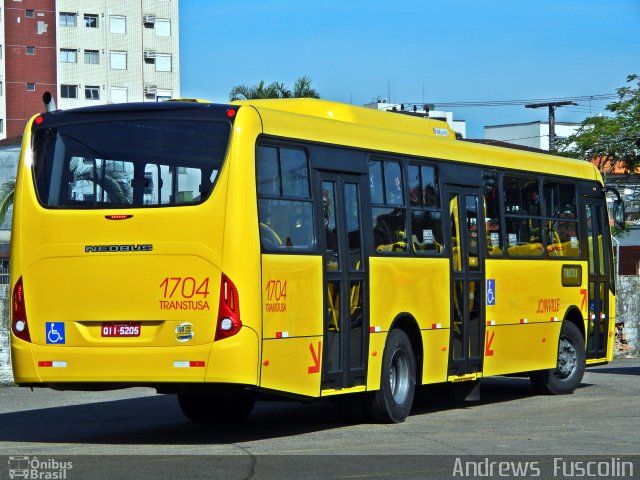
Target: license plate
{"points": [[121, 329]]}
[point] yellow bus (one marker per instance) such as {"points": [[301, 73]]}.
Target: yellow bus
{"points": [[300, 248]]}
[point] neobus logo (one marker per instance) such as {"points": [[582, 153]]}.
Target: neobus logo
{"points": [[117, 248]]}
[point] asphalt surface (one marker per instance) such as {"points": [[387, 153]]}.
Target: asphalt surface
{"points": [[135, 433]]}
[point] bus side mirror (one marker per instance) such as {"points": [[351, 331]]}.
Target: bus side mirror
{"points": [[619, 214]]}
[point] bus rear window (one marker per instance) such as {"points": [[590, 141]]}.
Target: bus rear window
{"points": [[128, 163]]}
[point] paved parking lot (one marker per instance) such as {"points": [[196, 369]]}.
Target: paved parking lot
{"points": [[601, 418]]}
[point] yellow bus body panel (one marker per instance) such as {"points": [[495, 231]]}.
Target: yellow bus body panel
{"points": [[523, 326], [292, 312]]}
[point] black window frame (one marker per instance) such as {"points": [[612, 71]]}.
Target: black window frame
{"points": [[267, 237]]}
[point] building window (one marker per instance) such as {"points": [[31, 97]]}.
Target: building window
{"points": [[28, 13], [91, 57], [69, 91], [1, 125], [67, 19], [163, 95], [118, 60], [118, 95], [118, 24], [30, 50], [90, 20], [163, 62], [163, 27], [31, 87], [68, 55], [92, 92]]}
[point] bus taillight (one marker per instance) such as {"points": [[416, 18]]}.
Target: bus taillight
{"points": [[228, 310], [19, 324]]}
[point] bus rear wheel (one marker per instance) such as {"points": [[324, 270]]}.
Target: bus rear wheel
{"points": [[570, 366], [392, 403], [216, 407]]}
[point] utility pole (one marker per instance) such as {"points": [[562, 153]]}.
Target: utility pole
{"points": [[552, 118]]}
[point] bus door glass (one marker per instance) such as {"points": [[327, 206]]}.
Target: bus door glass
{"points": [[466, 227], [599, 265], [345, 279]]}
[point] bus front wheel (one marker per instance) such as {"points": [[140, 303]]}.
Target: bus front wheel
{"points": [[218, 407], [392, 403], [570, 366]]}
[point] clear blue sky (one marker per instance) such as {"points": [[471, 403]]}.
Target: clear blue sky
{"points": [[416, 50]]}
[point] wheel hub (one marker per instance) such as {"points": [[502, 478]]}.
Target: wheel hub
{"points": [[399, 377], [567, 358]]}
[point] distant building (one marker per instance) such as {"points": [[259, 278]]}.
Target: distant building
{"points": [[531, 134], [458, 126], [85, 53]]}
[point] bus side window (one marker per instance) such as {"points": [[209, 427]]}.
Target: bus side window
{"points": [[493, 219], [426, 214], [285, 209], [389, 214], [523, 217], [561, 220]]}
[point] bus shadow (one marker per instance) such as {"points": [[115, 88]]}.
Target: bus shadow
{"points": [[493, 390], [157, 420]]}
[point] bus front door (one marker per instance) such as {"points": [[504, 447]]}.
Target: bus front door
{"points": [[599, 277], [345, 282], [466, 240]]}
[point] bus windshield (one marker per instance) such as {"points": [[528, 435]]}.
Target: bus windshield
{"points": [[127, 162]]}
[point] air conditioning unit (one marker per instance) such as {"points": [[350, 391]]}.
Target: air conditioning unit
{"points": [[150, 54], [148, 19], [150, 89]]}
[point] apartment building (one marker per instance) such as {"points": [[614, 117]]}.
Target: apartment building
{"points": [[85, 52]]}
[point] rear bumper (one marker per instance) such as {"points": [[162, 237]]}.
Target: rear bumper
{"points": [[232, 360]]}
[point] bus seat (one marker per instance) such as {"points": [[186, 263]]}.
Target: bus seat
{"points": [[526, 250], [422, 246], [269, 237]]}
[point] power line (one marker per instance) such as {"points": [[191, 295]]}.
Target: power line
{"points": [[506, 103]]}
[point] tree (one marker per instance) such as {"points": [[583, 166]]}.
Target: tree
{"points": [[7, 192], [612, 141], [112, 180], [613, 144], [301, 89]]}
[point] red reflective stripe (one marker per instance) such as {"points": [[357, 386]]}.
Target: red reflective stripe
{"points": [[46, 363], [197, 363]]}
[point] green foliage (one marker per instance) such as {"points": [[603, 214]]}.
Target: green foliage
{"points": [[7, 192], [112, 179], [301, 89], [115, 184], [611, 140]]}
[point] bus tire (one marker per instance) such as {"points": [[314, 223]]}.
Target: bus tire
{"points": [[392, 403], [571, 363], [218, 407]]}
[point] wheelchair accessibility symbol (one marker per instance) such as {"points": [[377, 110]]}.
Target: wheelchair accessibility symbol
{"points": [[55, 333], [491, 291]]}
